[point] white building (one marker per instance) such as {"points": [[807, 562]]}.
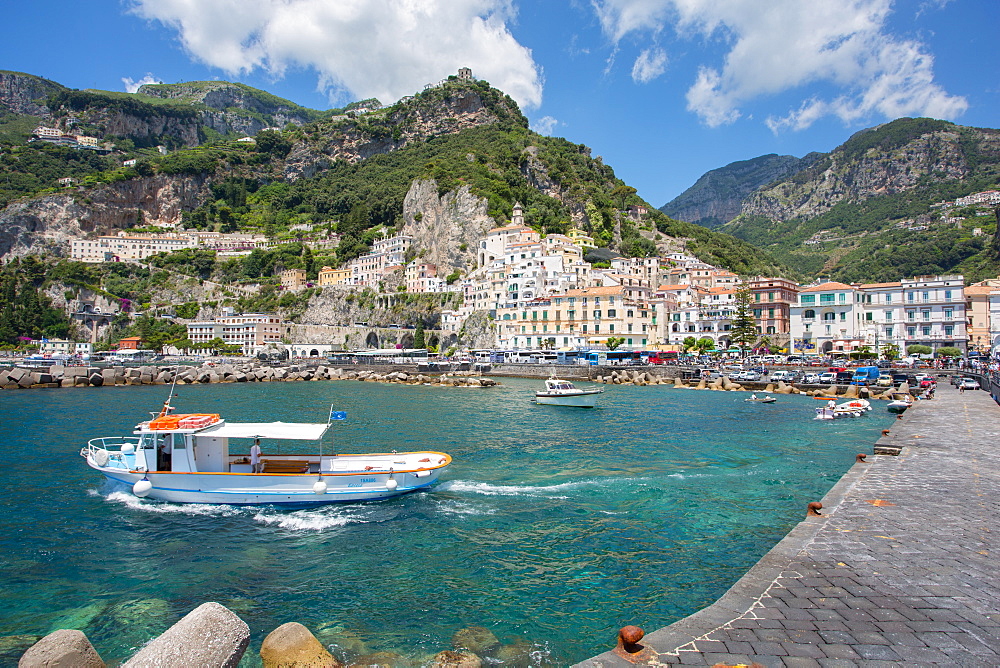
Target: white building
{"points": [[370, 268], [823, 321], [126, 246], [251, 331]]}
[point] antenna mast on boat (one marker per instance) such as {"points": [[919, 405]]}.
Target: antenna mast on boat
{"points": [[166, 404]]}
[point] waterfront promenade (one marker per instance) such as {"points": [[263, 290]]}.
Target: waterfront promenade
{"points": [[898, 570]]}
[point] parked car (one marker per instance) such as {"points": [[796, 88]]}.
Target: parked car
{"points": [[844, 377], [884, 380], [811, 378], [828, 378], [785, 376]]}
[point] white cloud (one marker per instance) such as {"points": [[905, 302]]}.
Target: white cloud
{"points": [[650, 64], [359, 48], [133, 86], [785, 45], [545, 125], [801, 118]]}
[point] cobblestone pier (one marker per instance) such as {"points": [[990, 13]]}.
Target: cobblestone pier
{"points": [[899, 570]]}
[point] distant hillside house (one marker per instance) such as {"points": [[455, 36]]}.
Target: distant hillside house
{"points": [[329, 276], [293, 279], [130, 343]]}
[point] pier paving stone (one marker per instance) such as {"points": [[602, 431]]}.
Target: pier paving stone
{"points": [[913, 583]]}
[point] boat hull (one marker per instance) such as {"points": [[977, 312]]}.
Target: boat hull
{"points": [[578, 400], [277, 489]]}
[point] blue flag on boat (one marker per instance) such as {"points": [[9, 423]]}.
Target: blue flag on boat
{"points": [[338, 415]]}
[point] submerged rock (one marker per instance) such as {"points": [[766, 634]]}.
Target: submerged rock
{"points": [[293, 645], [477, 639]]}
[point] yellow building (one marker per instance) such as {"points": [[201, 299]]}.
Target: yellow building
{"points": [[578, 319], [330, 276]]}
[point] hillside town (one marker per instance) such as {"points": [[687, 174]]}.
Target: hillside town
{"points": [[543, 295]]}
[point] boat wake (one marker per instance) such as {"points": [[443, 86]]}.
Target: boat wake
{"points": [[486, 489], [455, 507], [134, 503], [320, 519]]}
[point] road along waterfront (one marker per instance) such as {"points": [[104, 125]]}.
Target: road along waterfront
{"points": [[899, 569], [552, 526]]}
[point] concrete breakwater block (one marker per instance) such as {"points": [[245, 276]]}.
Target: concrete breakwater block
{"points": [[65, 648], [209, 635]]}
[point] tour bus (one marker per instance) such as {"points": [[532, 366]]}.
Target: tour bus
{"points": [[667, 357], [612, 357]]}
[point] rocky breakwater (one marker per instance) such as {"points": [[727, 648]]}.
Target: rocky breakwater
{"points": [[632, 377], [213, 635], [12, 378]]}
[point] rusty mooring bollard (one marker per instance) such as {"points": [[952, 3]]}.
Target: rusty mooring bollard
{"points": [[860, 457], [813, 509], [629, 647]]}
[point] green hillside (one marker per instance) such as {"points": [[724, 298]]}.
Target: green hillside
{"points": [[877, 207]]}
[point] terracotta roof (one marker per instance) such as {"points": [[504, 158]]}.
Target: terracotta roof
{"points": [[596, 292], [981, 290], [825, 287]]}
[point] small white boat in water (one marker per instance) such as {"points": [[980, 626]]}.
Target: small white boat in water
{"points": [[900, 402], [559, 392], [754, 399], [187, 459], [852, 408]]}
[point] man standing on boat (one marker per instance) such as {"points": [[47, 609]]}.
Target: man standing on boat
{"points": [[255, 456]]}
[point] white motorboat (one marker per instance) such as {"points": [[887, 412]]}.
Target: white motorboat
{"points": [[753, 398], [900, 402], [852, 408], [187, 459], [559, 392]]}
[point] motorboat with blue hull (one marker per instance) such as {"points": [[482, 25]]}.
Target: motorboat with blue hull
{"points": [[186, 459]]}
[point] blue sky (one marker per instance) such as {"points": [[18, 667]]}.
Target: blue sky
{"points": [[663, 90]]}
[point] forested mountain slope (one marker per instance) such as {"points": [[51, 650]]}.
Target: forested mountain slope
{"points": [[345, 174]]}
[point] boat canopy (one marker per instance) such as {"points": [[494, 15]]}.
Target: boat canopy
{"points": [[300, 431]]}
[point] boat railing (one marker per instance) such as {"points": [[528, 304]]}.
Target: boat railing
{"points": [[106, 443]]}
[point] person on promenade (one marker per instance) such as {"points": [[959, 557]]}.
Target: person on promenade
{"points": [[255, 456]]}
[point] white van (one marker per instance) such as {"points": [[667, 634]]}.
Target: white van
{"points": [[780, 375]]}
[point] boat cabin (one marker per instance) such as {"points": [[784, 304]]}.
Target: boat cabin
{"points": [[200, 443]]}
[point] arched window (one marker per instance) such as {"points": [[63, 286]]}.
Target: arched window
{"points": [[809, 313]]}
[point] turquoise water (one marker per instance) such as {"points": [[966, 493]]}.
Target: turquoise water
{"points": [[553, 528]]}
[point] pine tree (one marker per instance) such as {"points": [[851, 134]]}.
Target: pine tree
{"points": [[418, 336], [744, 328]]}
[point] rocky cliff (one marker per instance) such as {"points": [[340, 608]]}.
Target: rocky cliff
{"points": [[938, 155], [25, 94], [233, 108], [877, 207], [717, 197], [46, 224], [446, 229], [438, 111]]}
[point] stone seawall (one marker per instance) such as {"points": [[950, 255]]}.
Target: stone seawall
{"points": [[12, 378]]}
